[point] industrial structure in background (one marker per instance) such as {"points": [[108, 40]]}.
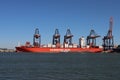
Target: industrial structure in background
{"points": [[56, 38], [68, 39], [37, 38], [91, 38], [108, 41]]}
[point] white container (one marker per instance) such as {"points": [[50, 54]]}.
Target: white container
{"points": [[49, 45], [45, 46], [88, 46], [61, 46], [100, 46], [75, 46], [66, 45], [70, 46], [53, 46]]}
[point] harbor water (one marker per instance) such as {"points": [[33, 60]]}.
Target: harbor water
{"points": [[63, 66]]}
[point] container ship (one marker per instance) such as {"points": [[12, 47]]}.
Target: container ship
{"points": [[85, 45]]}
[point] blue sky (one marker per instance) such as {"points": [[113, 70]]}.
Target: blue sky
{"points": [[19, 18]]}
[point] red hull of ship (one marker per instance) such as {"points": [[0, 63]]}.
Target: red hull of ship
{"points": [[56, 50]]}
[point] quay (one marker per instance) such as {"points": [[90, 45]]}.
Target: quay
{"points": [[6, 50]]}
